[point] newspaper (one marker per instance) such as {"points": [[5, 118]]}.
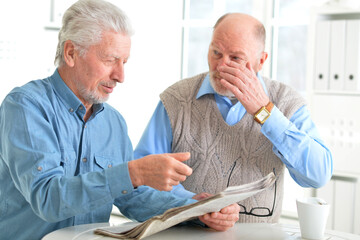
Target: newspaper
{"points": [[177, 215]]}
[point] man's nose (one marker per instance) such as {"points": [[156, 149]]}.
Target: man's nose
{"points": [[118, 73], [223, 61]]}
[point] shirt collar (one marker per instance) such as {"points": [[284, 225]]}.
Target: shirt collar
{"points": [[67, 96], [206, 87]]}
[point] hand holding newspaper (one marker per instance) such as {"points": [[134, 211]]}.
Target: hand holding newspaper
{"points": [[177, 215]]}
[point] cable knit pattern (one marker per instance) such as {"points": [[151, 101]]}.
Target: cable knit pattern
{"points": [[223, 155]]}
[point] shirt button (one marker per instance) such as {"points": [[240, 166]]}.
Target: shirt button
{"points": [[71, 110], [124, 192], [84, 159], [109, 166], [84, 126], [39, 168]]}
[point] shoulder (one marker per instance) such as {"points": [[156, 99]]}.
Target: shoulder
{"points": [[33, 88], [287, 99], [35, 91], [279, 91]]}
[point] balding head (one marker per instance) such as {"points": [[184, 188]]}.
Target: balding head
{"points": [[243, 22]]}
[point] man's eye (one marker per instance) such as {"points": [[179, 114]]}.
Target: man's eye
{"points": [[111, 60], [238, 59], [217, 54]]}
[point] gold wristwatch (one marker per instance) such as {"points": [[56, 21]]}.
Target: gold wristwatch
{"points": [[264, 113]]}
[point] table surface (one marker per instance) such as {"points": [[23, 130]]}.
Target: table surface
{"points": [[248, 231]]}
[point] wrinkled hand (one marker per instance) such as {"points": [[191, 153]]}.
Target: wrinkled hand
{"points": [[241, 80], [159, 171], [222, 220]]}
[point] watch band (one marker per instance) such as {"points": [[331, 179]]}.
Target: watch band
{"points": [[269, 106]]}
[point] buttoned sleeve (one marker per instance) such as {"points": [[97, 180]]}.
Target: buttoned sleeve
{"points": [[297, 143]]}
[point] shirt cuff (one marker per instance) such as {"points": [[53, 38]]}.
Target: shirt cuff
{"points": [[119, 180], [275, 125], [180, 191]]}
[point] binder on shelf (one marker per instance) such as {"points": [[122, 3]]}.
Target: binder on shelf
{"points": [[352, 56], [322, 55], [337, 55]]}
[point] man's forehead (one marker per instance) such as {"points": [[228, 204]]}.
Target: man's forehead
{"points": [[118, 46]]}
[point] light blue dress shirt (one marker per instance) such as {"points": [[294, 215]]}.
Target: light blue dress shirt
{"points": [[57, 170], [296, 141]]}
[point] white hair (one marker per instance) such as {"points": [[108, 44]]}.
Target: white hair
{"points": [[85, 21]]}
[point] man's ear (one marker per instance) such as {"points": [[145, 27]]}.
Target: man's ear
{"points": [[263, 57], [69, 53]]}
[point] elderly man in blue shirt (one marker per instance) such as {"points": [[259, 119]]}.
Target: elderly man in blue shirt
{"points": [[65, 154], [238, 125]]}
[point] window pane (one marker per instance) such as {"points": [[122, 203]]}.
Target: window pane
{"points": [[200, 9], [199, 40], [291, 68], [244, 6], [295, 9]]}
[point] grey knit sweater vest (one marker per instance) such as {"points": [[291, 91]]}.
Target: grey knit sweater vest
{"points": [[223, 155]]}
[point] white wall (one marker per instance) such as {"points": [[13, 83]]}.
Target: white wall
{"points": [[24, 46], [155, 61], [27, 52]]}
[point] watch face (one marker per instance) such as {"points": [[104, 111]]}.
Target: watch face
{"points": [[262, 115]]}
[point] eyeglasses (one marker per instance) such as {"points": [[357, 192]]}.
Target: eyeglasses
{"points": [[259, 211]]}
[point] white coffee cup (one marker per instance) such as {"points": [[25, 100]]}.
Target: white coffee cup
{"points": [[313, 213]]}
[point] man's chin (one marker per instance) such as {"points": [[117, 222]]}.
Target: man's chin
{"points": [[98, 99], [220, 89], [102, 100]]}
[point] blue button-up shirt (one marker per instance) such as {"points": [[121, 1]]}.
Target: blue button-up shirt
{"points": [[296, 141], [57, 170]]}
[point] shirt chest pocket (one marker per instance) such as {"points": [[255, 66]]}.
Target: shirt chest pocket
{"points": [[102, 162], [68, 161]]}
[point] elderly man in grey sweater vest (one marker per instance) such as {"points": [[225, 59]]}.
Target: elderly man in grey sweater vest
{"points": [[237, 125]]}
